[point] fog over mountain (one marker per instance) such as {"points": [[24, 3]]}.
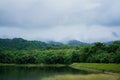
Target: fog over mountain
{"points": [[60, 20]]}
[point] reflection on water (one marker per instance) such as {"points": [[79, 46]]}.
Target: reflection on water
{"points": [[35, 73]]}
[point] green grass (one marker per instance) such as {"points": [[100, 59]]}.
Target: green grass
{"points": [[103, 67], [84, 77]]}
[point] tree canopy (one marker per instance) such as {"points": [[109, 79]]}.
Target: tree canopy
{"points": [[21, 51]]}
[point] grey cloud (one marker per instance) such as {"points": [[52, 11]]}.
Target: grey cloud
{"points": [[108, 13], [115, 34], [59, 12], [63, 33], [84, 20]]}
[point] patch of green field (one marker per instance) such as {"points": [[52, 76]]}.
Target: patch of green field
{"points": [[103, 67], [84, 77]]}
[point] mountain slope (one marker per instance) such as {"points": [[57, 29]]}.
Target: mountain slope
{"points": [[76, 43], [21, 44]]}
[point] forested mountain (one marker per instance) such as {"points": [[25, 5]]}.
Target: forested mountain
{"points": [[21, 44], [76, 43], [21, 51], [54, 43]]}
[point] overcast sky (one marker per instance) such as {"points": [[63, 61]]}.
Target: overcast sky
{"points": [[60, 20]]}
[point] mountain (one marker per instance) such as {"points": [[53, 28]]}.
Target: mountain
{"points": [[111, 42], [71, 43], [76, 43], [54, 43], [108, 43], [21, 44]]}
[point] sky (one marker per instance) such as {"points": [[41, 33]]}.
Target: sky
{"points": [[60, 20]]}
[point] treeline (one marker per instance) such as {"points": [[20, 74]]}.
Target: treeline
{"points": [[58, 54]]}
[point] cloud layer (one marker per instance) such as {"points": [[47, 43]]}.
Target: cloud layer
{"points": [[84, 20]]}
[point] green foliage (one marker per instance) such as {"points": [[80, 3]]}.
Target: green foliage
{"points": [[6, 57], [99, 58], [21, 51]]}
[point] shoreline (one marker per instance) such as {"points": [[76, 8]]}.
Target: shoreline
{"points": [[105, 68], [34, 65]]}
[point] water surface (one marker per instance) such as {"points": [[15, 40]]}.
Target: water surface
{"points": [[36, 73]]}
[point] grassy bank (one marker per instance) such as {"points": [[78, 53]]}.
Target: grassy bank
{"points": [[84, 77], [103, 67]]}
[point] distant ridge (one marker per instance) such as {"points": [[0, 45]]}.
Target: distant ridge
{"points": [[76, 43], [54, 43], [22, 44]]}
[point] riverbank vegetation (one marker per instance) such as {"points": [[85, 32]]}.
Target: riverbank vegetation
{"points": [[84, 77], [20, 51], [102, 67], [33, 65]]}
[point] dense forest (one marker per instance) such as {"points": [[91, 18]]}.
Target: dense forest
{"points": [[22, 51]]}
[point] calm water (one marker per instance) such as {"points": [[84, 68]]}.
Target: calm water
{"points": [[35, 73]]}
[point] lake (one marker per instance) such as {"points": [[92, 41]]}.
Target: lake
{"points": [[36, 73]]}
